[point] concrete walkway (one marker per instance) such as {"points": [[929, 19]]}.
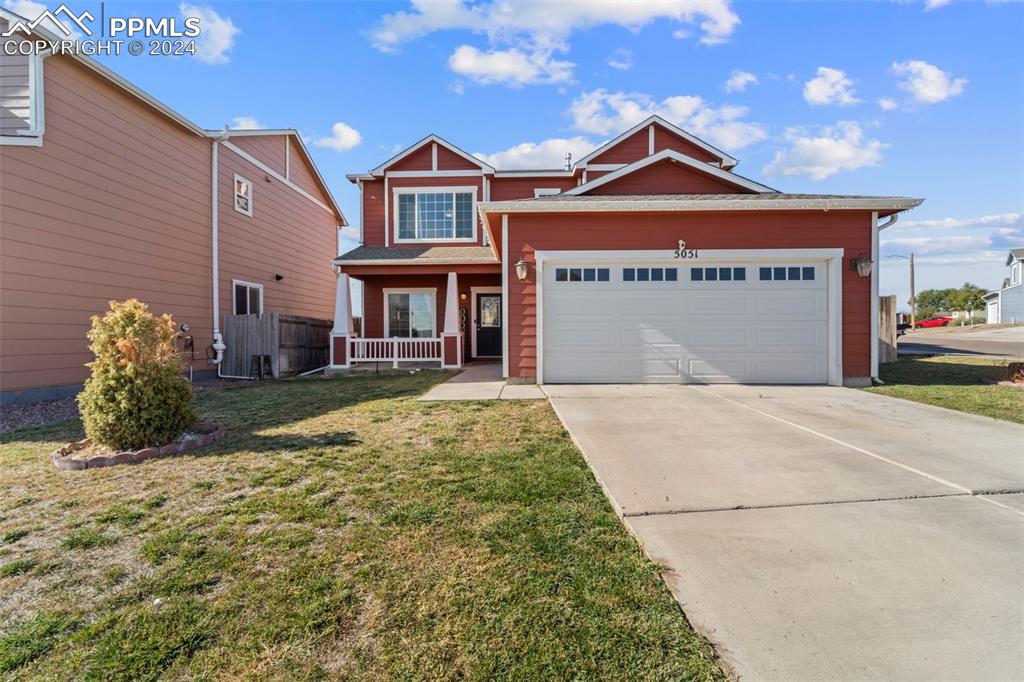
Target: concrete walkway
{"points": [[821, 533], [482, 382]]}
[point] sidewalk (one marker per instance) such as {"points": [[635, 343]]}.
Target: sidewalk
{"points": [[482, 382]]}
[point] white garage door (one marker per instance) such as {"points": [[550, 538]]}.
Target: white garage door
{"points": [[749, 322]]}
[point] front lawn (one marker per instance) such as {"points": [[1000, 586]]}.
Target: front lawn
{"points": [[955, 382], [340, 530]]}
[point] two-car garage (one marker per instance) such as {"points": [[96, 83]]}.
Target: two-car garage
{"points": [[724, 317]]}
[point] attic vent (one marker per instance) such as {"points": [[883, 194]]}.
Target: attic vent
{"points": [[568, 161]]}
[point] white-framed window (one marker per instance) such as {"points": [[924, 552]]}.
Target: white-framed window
{"points": [[243, 195], [545, 192], [246, 298], [435, 214], [21, 99], [410, 313], [1015, 274]]}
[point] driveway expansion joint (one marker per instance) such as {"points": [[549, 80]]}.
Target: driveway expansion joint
{"points": [[824, 503]]}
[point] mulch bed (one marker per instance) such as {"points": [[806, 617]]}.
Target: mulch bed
{"points": [[84, 455]]}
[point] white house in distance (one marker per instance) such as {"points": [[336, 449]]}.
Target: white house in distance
{"points": [[1006, 305]]}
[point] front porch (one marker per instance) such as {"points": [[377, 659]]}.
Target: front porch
{"points": [[422, 317]]}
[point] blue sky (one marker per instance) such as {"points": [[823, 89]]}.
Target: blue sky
{"points": [[905, 98]]}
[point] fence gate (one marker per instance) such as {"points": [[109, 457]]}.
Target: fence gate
{"points": [[295, 344]]}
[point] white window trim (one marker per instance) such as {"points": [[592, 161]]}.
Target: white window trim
{"points": [[474, 292], [234, 194], [1015, 274], [410, 290], [433, 190], [33, 135], [539, 192], [833, 259], [242, 282]]}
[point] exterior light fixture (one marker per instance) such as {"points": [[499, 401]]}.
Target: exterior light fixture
{"points": [[521, 270], [862, 264], [278, 277], [463, 296]]}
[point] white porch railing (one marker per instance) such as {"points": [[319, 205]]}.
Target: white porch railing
{"points": [[395, 350]]}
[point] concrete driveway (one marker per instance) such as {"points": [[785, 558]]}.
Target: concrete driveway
{"points": [[821, 533]]}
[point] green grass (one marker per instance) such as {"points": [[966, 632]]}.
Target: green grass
{"points": [[342, 530], [954, 382]]}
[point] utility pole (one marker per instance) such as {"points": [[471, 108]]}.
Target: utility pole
{"points": [[913, 296]]}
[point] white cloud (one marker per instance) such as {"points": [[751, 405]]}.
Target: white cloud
{"points": [[217, 34], [887, 104], [343, 137], [621, 59], [929, 5], [1001, 219], [606, 113], [830, 86], [739, 80], [548, 25], [546, 154], [509, 67], [458, 87], [246, 123], [927, 83], [841, 147], [31, 10]]}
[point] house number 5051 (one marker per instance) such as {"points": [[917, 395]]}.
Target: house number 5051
{"points": [[683, 252]]}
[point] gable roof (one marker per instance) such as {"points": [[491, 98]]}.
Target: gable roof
{"points": [[672, 155], [727, 161], [379, 170], [1015, 254]]}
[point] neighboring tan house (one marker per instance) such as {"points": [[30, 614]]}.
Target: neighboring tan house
{"points": [[648, 260], [107, 194], [1006, 304]]}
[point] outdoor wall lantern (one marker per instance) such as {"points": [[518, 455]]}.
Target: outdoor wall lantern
{"points": [[521, 269], [862, 264]]}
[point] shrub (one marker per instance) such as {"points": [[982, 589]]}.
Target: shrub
{"points": [[136, 396]]}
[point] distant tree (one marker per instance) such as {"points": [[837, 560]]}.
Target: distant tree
{"points": [[967, 297]]}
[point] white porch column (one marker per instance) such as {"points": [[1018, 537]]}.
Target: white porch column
{"points": [[451, 338], [343, 329]]}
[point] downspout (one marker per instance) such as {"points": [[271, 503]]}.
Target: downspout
{"points": [[218, 338], [875, 273]]}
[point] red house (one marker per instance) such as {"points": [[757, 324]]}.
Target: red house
{"points": [[648, 260]]}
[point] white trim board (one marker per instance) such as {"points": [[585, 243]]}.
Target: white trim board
{"points": [[672, 155], [726, 160], [504, 296], [473, 291], [833, 259]]}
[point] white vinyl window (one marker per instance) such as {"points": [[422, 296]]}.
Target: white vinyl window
{"points": [[1015, 274], [246, 298], [21, 99], [243, 195], [435, 215], [410, 313]]}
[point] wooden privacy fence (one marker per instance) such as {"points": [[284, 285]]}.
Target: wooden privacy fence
{"points": [[294, 344], [886, 329]]}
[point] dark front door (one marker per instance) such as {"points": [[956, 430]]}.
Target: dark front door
{"points": [[488, 325]]}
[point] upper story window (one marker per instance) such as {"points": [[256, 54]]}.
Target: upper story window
{"points": [[243, 195], [21, 97], [436, 215]]}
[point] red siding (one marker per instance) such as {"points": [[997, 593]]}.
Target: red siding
{"points": [[373, 213], [633, 148], [668, 177], [449, 160], [663, 139], [421, 159], [503, 189], [849, 230]]}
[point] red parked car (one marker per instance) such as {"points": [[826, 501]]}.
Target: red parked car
{"points": [[935, 321]]}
